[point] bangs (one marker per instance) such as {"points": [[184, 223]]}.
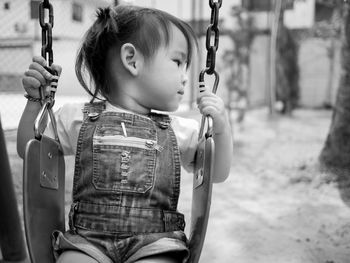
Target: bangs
{"points": [[155, 31]]}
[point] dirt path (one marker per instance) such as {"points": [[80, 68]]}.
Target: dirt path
{"points": [[276, 206]]}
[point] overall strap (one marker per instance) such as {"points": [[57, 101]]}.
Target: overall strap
{"points": [[91, 112], [94, 109], [162, 120]]}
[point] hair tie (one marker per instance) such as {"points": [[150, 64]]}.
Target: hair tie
{"points": [[103, 14], [106, 20]]}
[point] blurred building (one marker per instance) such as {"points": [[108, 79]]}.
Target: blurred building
{"points": [[20, 37], [299, 15]]}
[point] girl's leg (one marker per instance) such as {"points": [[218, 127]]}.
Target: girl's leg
{"points": [[158, 259], [71, 256]]}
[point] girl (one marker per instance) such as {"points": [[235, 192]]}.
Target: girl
{"points": [[127, 168]]}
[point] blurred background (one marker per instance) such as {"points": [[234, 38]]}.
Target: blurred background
{"points": [[281, 56], [276, 58]]}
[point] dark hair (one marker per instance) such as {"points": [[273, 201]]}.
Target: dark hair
{"points": [[147, 29]]}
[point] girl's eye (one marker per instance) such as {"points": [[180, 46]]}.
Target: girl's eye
{"points": [[178, 62]]}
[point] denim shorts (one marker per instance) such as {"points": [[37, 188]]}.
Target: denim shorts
{"points": [[122, 249]]}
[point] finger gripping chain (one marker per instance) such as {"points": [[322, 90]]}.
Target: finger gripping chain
{"points": [[207, 119], [53, 86]]}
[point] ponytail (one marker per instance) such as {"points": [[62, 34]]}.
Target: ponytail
{"points": [[106, 19], [91, 57]]}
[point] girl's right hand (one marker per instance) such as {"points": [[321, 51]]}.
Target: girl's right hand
{"points": [[37, 76]]}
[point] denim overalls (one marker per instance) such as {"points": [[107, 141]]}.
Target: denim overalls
{"points": [[126, 181]]}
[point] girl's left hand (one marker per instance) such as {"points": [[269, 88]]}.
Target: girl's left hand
{"points": [[211, 104]]}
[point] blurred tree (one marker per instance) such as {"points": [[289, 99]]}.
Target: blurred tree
{"points": [[287, 70], [284, 71], [237, 61], [283, 77], [335, 155]]}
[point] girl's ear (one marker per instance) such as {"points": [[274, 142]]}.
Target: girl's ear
{"points": [[130, 58]]}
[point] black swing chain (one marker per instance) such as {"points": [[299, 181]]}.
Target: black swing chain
{"points": [[46, 30], [47, 101], [212, 42], [212, 32], [46, 47], [212, 45]]}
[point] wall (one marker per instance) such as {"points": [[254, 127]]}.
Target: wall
{"points": [[17, 48], [315, 74], [301, 16]]}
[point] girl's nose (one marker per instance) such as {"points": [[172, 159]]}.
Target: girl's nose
{"points": [[184, 79]]}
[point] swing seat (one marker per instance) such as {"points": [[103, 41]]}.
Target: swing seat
{"points": [[44, 190], [43, 196], [201, 196]]}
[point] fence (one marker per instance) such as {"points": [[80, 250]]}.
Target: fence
{"points": [[20, 40]]}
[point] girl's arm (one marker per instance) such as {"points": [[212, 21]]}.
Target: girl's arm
{"points": [[25, 131], [35, 77], [211, 104], [223, 154]]}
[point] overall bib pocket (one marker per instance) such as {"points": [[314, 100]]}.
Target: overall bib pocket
{"points": [[124, 163]]}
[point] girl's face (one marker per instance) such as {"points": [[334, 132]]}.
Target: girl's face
{"points": [[164, 77]]}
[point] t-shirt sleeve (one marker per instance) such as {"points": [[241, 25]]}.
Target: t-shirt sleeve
{"points": [[186, 131], [69, 119]]}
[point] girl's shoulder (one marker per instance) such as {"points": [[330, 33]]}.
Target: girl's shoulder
{"points": [[70, 112], [185, 128], [186, 132], [179, 122], [72, 106]]}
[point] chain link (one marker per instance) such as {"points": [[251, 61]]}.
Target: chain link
{"points": [[46, 52], [212, 45], [46, 30], [212, 40]]}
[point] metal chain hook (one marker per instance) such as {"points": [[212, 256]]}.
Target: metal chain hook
{"points": [[212, 3]]}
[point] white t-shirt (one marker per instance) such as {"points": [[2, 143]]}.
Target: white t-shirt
{"points": [[69, 119]]}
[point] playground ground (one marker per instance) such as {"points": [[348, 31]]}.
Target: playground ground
{"points": [[276, 205]]}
